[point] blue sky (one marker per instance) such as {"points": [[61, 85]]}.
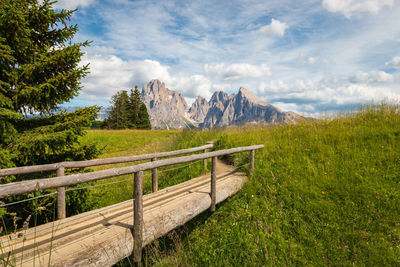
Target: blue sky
{"points": [[310, 56]]}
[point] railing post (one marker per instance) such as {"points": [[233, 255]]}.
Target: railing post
{"points": [[252, 152], [138, 216], [213, 183], [205, 160], [61, 212], [154, 177]]}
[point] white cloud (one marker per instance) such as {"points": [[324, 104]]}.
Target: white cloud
{"points": [[273, 87], [371, 77], [328, 92], [311, 60], [316, 61], [236, 71], [222, 86], [185, 43], [306, 110], [146, 70], [275, 28], [350, 8], [72, 4], [191, 86], [393, 63], [109, 74]]}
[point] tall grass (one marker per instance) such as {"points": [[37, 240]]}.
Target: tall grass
{"points": [[323, 193], [114, 143], [118, 143], [127, 142]]}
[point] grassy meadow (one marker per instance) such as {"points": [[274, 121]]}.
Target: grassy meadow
{"points": [[119, 143], [323, 193]]}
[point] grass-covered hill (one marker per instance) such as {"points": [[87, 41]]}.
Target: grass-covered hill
{"points": [[323, 193]]}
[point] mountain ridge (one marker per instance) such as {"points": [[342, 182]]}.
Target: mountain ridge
{"points": [[168, 109]]}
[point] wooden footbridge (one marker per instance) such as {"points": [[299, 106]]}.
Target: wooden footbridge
{"points": [[105, 236]]}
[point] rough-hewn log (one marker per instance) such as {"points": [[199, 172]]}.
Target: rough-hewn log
{"points": [[154, 177], [138, 217], [205, 161], [30, 169], [252, 152], [104, 237], [213, 183], [47, 183], [96, 162], [61, 206]]}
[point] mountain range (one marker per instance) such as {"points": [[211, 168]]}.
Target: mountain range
{"points": [[169, 110]]}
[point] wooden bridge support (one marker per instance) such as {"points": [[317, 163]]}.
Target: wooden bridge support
{"points": [[213, 183], [252, 152], [138, 216], [61, 210], [205, 161], [138, 234], [154, 177]]}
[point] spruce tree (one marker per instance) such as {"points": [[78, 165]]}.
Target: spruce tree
{"points": [[135, 101], [39, 71], [118, 117], [128, 112], [140, 117], [144, 120]]}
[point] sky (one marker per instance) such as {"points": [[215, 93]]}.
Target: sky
{"points": [[311, 56]]}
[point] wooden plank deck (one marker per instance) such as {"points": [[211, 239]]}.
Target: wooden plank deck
{"points": [[103, 237]]}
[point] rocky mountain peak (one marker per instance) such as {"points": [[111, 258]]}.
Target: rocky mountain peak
{"points": [[199, 109], [244, 93], [244, 107], [218, 97], [167, 108]]}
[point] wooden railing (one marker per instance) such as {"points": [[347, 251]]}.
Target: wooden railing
{"points": [[60, 167], [63, 180]]}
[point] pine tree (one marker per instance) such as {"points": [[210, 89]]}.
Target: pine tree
{"points": [[133, 108], [39, 71], [118, 117], [144, 120], [140, 117], [128, 112]]}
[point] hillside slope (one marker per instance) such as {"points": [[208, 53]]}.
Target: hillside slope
{"points": [[324, 193]]}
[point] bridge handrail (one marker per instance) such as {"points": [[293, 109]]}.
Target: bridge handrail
{"points": [[62, 180], [28, 186], [96, 162]]}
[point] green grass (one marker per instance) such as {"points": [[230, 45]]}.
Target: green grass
{"points": [[323, 193], [127, 142], [118, 143]]}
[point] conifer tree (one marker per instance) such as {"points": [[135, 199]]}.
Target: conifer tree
{"points": [[140, 117], [128, 112], [118, 117], [144, 120], [134, 100], [39, 71]]}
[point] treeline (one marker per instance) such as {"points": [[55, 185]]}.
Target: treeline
{"points": [[127, 111]]}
